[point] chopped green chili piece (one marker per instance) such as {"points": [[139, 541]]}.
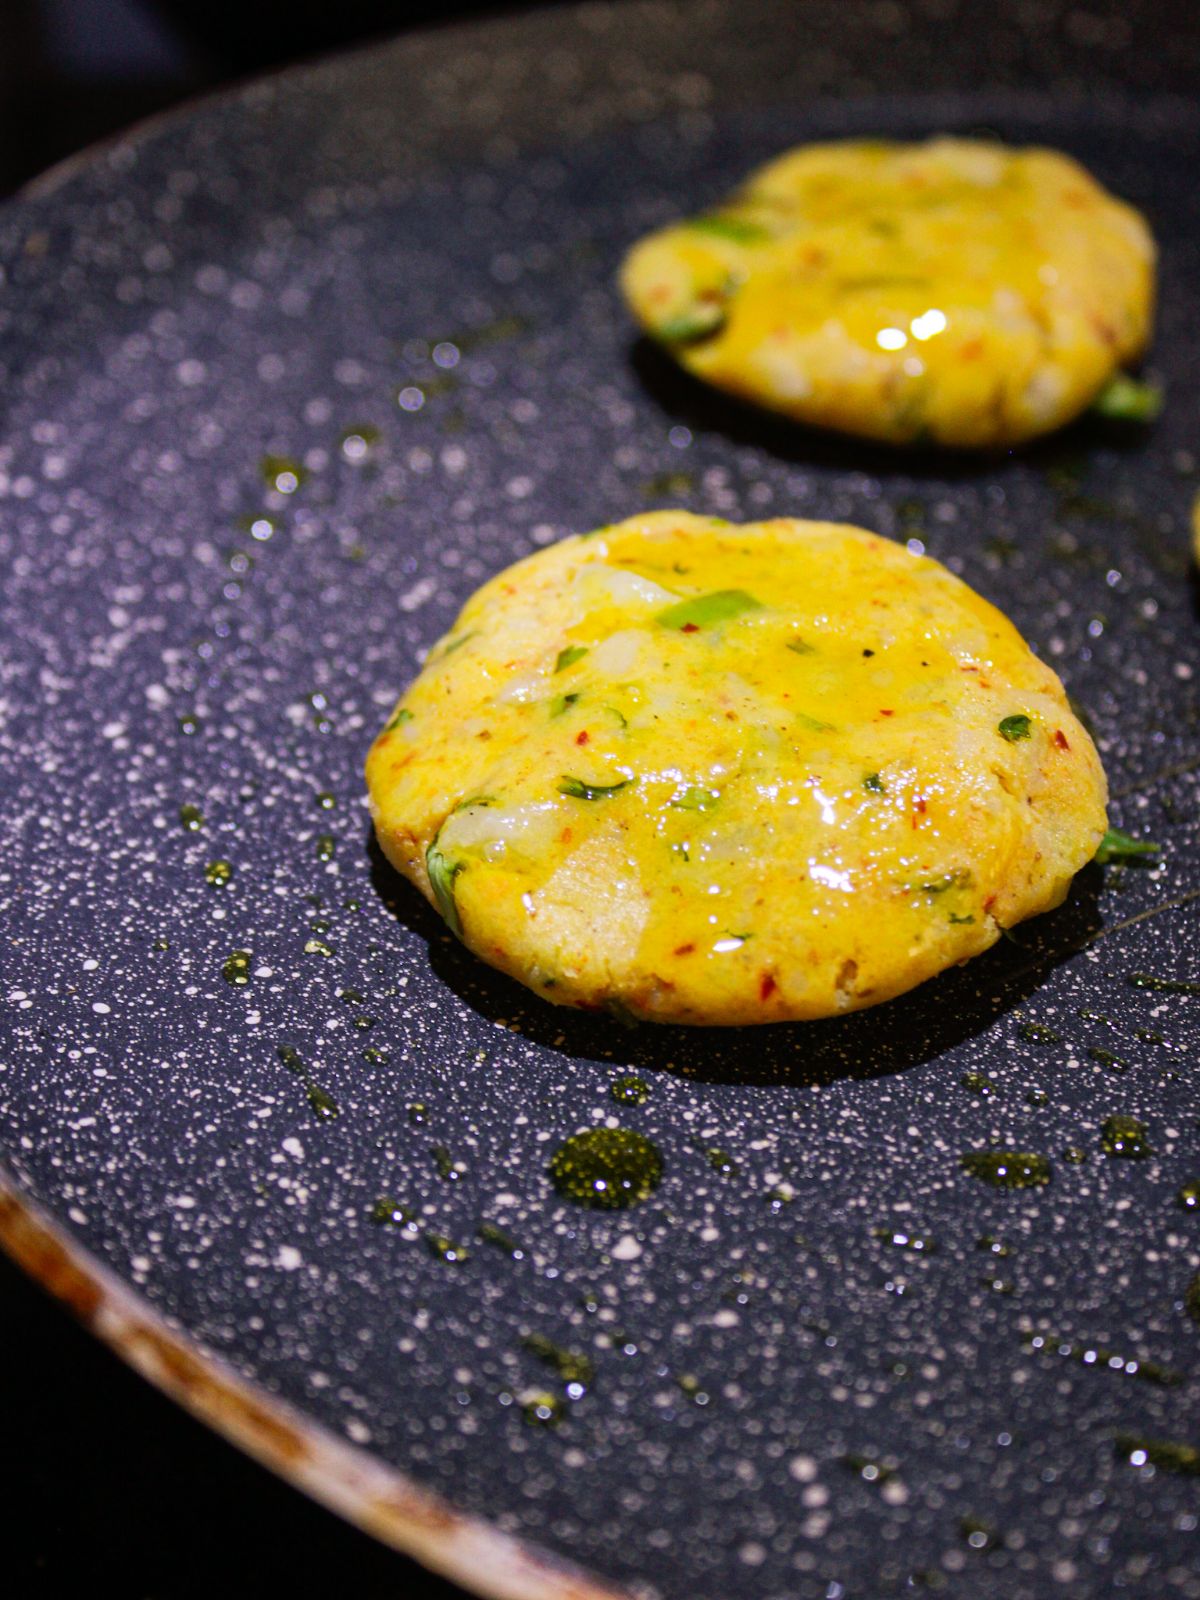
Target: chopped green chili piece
{"points": [[561, 703], [874, 783], [1119, 846], [1126, 399], [442, 874], [813, 724], [702, 610], [800, 647], [578, 790], [696, 799], [402, 716], [569, 656], [736, 229], [1018, 726]]}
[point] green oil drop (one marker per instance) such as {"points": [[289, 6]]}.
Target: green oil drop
{"points": [[237, 968], [606, 1168], [629, 1091], [1125, 1137], [1008, 1169]]}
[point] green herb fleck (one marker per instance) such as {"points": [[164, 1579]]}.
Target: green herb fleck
{"points": [[874, 783], [191, 818], [578, 790], [1126, 399], [442, 875], [704, 610], [704, 319], [561, 703], [218, 873], [457, 644], [697, 799], [568, 657], [1121, 847], [1018, 726], [736, 229], [402, 716]]}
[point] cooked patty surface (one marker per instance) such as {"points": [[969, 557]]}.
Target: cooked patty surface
{"points": [[709, 773], [956, 291]]}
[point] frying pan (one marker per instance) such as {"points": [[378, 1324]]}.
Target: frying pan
{"points": [[284, 377]]}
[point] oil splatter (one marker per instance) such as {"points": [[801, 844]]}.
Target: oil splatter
{"points": [[606, 1168], [1008, 1169]]}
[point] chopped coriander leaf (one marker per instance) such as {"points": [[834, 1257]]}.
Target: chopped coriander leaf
{"points": [[561, 703], [703, 610], [1119, 846], [1018, 726], [702, 320], [481, 800], [569, 656], [736, 229], [874, 783], [696, 799], [622, 720], [800, 647], [402, 716], [953, 918], [442, 875], [1126, 399], [813, 724], [578, 790]]}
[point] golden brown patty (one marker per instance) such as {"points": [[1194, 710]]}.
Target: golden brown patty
{"points": [[718, 774], [954, 291]]}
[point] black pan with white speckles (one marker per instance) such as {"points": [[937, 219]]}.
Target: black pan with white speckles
{"points": [[284, 379]]}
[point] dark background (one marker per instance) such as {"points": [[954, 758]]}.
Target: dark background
{"points": [[109, 1483], [74, 71]]}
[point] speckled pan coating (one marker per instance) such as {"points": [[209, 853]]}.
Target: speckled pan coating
{"points": [[415, 250]]}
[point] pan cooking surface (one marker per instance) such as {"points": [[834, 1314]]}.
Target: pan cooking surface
{"points": [[287, 377]]}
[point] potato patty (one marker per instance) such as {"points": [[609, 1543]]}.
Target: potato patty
{"points": [[709, 773], [955, 291]]}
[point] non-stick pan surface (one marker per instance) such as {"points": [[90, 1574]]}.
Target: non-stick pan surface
{"points": [[284, 378]]}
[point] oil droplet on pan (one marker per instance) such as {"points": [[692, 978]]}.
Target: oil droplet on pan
{"points": [[606, 1168]]}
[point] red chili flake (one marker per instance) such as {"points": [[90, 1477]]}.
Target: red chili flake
{"points": [[884, 713], [581, 737], [767, 986], [690, 627], [989, 902], [1061, 740], [685, 949]]}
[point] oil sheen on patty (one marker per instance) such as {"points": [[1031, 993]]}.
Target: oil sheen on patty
{"points": [[697, 772], [955, 292]]}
